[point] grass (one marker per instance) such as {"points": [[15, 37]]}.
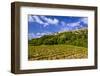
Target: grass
{"points": [[53, 52]]}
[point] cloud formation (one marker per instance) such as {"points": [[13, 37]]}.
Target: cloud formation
{"points": [[32, 35], [49, 20], [74, 25], [45, 25], [37, 35], [84, 20], [43, 20], [78, 23]]}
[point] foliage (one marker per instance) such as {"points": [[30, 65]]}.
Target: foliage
{"points": [[77, 38]]}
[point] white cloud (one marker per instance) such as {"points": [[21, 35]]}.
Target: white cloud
{"points": [[37, 19], [74, 24], [71, 24], [43, 20], [37, 35], [63, 23], [46, 24], [84, 20], [43, 33], [30, 19], [31, 35], [49, 20], [40, 34]]}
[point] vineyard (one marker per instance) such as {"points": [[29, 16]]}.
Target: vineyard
{"points": [[52, 52], [64, 45]]}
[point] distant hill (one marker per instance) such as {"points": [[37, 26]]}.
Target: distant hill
{"points": [[75, 37]]}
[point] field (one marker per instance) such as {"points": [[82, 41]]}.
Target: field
{"points": [[53, 52]]}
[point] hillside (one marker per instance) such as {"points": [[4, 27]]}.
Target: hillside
{"points": [[76, 37], [63, 45]]}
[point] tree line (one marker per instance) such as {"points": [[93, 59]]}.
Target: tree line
{"points": [[77, 38]]}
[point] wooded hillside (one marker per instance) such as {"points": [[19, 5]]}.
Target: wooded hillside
{"points": [[76, 37]]}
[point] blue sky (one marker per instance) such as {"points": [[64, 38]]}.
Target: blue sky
{"points": [[39, 25]]}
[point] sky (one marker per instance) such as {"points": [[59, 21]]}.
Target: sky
{"points": [[40, 25]]}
